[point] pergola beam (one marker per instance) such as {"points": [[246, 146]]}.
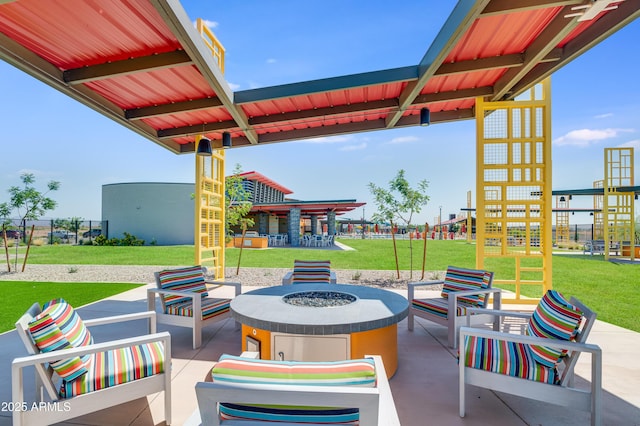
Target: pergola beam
{"points": [[126, 67], [172, 108]]}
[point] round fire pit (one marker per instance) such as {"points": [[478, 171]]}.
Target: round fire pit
{"points": [[319, 299]]}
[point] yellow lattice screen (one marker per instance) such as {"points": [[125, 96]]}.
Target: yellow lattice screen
{"points": [[513, 197], [618, 204], [562, 220], [209, 213]]}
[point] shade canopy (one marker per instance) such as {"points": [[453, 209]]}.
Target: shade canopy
{"points": [[143, 64]]}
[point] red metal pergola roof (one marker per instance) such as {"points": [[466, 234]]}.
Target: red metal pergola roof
{"points": [[143, 64], [308, 208]]}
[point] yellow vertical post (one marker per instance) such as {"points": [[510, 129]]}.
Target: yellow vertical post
{"points": [[513, 190], [209, 213]]}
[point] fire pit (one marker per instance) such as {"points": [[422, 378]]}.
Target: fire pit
{"points": [[319, 299], [321, 322]]}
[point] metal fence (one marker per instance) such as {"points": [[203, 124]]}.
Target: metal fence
{"points": [[55, 231]]}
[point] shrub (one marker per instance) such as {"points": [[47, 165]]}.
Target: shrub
{"points": [[128, 240]]}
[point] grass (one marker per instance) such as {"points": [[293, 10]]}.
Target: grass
{"points": [[20, 295], [608, 288]]}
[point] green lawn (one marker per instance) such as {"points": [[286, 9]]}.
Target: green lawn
{"points": [[20, 295], [608, 288]]}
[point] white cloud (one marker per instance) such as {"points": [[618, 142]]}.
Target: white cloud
{"points": [[330, 139], [358, 147], [271, 61], [233, 86], [208, 23], [635, 144], [605, 115], [586, 137], [404, 139]]}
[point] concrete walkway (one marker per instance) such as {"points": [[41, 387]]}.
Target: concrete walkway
{"points": [[425, 387]]}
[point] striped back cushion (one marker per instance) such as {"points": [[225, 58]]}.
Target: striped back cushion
{"points": [[48, 338], [184, 279], [233, 369], [460, 279], [553, 318], [311, 272]]}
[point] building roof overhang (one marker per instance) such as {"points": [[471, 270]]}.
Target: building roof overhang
{"points": [[308, 208], [154, 74]]}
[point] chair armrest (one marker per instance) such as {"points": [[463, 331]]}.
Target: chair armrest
{"points": [[151, 315], [41, 358], [529, 340], [498, 312], [212, 284], [190, 294], [288, 278], [412, 286]]}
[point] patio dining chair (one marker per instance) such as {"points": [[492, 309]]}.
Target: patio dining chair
{"points": [[79, 376], [461, 289], [310, 272], [185, 302], [539, 364]]}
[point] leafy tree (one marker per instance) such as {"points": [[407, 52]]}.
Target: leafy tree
{"points": [[237, 204], [29, 203], [398, 204]]}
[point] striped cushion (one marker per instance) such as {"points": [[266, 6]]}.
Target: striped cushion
{"points": [[554, 318], [311, 272], [47, 336], [210, 308], [117, 366], [459, 279], [69, 322], [232, 369], [438, 306], [508, 358], [183, 279]]}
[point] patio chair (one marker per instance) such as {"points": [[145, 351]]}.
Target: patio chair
{"points": [[461, 289], [540, 364], [294, 392], [184, 300], [75, 376], [310, 272]]}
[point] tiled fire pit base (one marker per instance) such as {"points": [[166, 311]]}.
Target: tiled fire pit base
{"points": [[363, 322]]}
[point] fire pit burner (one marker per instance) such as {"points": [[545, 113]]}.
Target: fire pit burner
{"points": [[319, 299]]}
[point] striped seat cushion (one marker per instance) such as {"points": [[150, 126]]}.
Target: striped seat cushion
{"points": [[184, 279], [210, 308], [460, 279], [57, 327], [232, 369], [553, 318], [508, 358], [439, 307], [311, 272], [117, 366]]}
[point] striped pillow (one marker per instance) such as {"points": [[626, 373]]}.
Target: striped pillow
{"points": [[48, 338], [311, 272], [233, 369], [69, 322], [459, 279], [189, 279], [554, 318]]}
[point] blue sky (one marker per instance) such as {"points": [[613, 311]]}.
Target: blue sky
{"points": [[596, 105]]}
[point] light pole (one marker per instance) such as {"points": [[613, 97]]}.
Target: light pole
{"points": [[440, 223]]}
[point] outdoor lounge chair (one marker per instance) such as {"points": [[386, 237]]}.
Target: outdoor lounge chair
{"points": [[75, 376], [183, 292], [538, 365], [310, 272], [296, 392], [461, 289]]}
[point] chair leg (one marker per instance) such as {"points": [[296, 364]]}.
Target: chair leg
{"points": [[410, 321]]}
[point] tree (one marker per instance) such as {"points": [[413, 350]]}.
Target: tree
{"points": [[237, 204], [398, 204], [29, 203]]}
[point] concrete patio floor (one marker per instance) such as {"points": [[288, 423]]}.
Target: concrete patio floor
{"points": [[425, 387]]}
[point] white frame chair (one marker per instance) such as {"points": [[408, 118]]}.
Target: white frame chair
{"points": [[452, 307], [194, 322], [376, 405], [564, 393], [86, 403], [288, 277]]}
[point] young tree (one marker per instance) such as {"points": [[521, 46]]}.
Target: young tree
{"points": [[398, 204], [237, 204], [29, 203]]}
